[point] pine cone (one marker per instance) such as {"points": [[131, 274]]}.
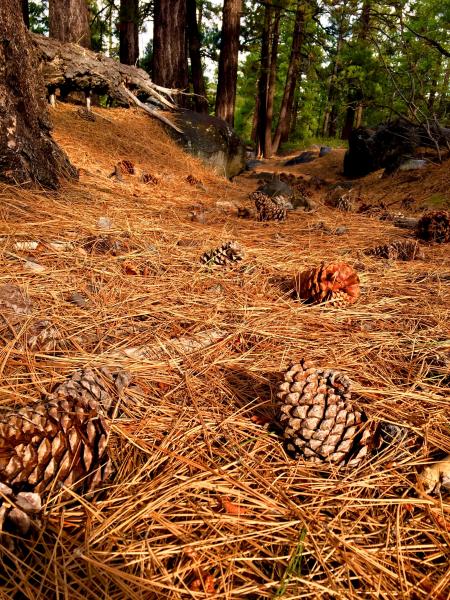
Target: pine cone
{"points": [[86, 114], [336, 283], [434, 227], [18, 510], [104, 244], [61, 439], [43, 336], [318, 419], [269, 209], [345, 203], [126, 167], [14, 304], [401, 250], [226, 254]]}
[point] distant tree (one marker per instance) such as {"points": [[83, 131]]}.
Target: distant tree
{"points": [[170, 66], [198, 80], [228, 60], [27, 151], [69, 21], [129, 32]]}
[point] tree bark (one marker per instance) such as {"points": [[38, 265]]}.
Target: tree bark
{"points": [[275, 35], [355, 95], [69, 21], [263, 83], [27, 151], [287, 102], [26, 13], [198, 80], [170, 68], [129, 32], [228, 60]]}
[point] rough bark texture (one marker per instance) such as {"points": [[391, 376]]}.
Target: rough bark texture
{"points": [[27, 151], [263, 83], [198, 80], [69, 21], [287, 102], [169, 44], [228, 60], [129, 32], [275, 34]]}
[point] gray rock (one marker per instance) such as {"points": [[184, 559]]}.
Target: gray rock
{"points": [[412, 165], [212, 140], [276, 187], [325, 150]]}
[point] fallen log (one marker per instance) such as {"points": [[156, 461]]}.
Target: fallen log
{"points": [[406, 222], [69, 67]]}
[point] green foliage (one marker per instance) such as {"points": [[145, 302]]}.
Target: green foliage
{"points": [[38, 12]]}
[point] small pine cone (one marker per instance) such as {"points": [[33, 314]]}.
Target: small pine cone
{"points": [[401, 250], [14, 304], [244, 212], [61, 439], [336, 283], [345, 203], [434, 227], [107, 244], [43, 336], [226, 254], [318, 419], [85, 114], [193, 180], [147, 178], [269, 209], [126, 167]]}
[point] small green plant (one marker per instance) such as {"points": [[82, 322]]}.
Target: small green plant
{"points": [[294, 566]]}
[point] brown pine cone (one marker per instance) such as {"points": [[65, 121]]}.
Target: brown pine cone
{"points": [[269, 209], [400, 250], [336, 283], [61, 439], [226, 254], [318, 419], [434, 226]]}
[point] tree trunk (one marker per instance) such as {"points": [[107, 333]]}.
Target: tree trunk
{"points": [[293, 124], [331, 112], [69, 21], [287, 102], [443, 102], [355, 95], [27, 151], [198, 80], [129, 32], [275, 35], [26, 13], [170, 68], [228, 60], [263, 84]]}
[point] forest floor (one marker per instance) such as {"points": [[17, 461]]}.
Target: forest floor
{"points": [[205, 502]]}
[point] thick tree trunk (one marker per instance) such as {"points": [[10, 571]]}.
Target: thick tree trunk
{"points": [[198, 80], [27, 151], [263, 83], [129, 32], [275, 34], [228, 60], [170, 68], [287, 102], [26, 13], [69, 21]]}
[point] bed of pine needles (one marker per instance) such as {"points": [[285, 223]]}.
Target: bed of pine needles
{"points": [[205, 502]]}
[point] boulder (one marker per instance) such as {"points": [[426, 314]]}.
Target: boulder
{"points": [[212, 140], [304, 157]]}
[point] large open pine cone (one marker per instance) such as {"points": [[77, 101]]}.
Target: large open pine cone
{"points": [[434, 226], [269, 208], [226, 254], [400, 250], [319, 421], [61, 439], [336, 283]]}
